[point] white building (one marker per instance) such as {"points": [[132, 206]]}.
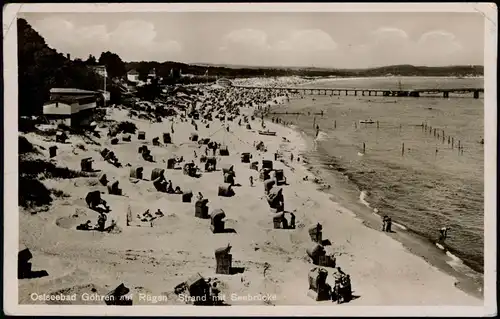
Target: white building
{"points": [[72, 107], [133, 76]]}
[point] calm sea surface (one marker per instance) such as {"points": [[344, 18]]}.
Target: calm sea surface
{"points": [[433, 184]]}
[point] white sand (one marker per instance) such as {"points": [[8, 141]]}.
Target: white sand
{"points": [[155, 259]]}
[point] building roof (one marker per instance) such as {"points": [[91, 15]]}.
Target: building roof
{"points": [[73, 99], [70, 91], [62, 108]]}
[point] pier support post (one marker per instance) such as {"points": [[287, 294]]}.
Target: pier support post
{"points": [[345, 92], [446, 95], [476, 94], [355, 93]]}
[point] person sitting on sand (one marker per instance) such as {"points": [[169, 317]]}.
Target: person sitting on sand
{"points": [[178, 190], [85, 226], [101, 222], [170, 188], [159, 213]]}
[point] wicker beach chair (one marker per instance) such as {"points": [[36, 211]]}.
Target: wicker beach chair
{"points": [[217, 221], [187, 195], [223, 260], [136, 172], [86, 164], [225, 190], [157, 172], [201, 208]]}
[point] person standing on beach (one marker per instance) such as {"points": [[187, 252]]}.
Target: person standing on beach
{"points": [[384, 222], [443, 233], [388, 225], [251, 181], [317, 130]]}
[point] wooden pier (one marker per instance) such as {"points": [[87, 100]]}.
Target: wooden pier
{"points": [[368, 92]]}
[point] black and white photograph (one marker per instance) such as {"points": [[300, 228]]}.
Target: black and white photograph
{"points": [[326, 159]]}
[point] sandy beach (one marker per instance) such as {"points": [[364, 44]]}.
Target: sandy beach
{"points": [[157, 256]]}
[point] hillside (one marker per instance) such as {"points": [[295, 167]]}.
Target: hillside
{"points": [[163, 69]]}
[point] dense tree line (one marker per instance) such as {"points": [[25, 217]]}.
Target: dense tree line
{"points": [[41, 68]]}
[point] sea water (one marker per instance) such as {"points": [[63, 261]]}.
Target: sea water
{"points": [[419, 179]]}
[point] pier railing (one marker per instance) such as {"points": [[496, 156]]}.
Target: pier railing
{"points": [[369, 92]]}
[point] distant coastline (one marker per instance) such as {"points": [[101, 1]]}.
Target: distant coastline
{"points": [[229, 71]]}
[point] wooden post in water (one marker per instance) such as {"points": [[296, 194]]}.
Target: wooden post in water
{"points": [[364, 147], [355, 125], [403, 150], [335, 124], [448, 139], [434, 132], [377, 125], [458, 144], [314, 122], [452, 142]]}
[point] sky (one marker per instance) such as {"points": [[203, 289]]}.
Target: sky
{"points": [[315, 39]]}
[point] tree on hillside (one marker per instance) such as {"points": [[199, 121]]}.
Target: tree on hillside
{"points": [[91, 60], [41, 68], [114, 64]]}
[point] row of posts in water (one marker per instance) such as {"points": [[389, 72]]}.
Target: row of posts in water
{"points": [[438, 134]]}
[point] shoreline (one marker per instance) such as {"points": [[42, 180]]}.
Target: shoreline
{"points": [[383, 271], [463, 281]]}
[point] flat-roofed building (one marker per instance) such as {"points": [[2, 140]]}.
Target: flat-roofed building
{"points": [[72, 107]]}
